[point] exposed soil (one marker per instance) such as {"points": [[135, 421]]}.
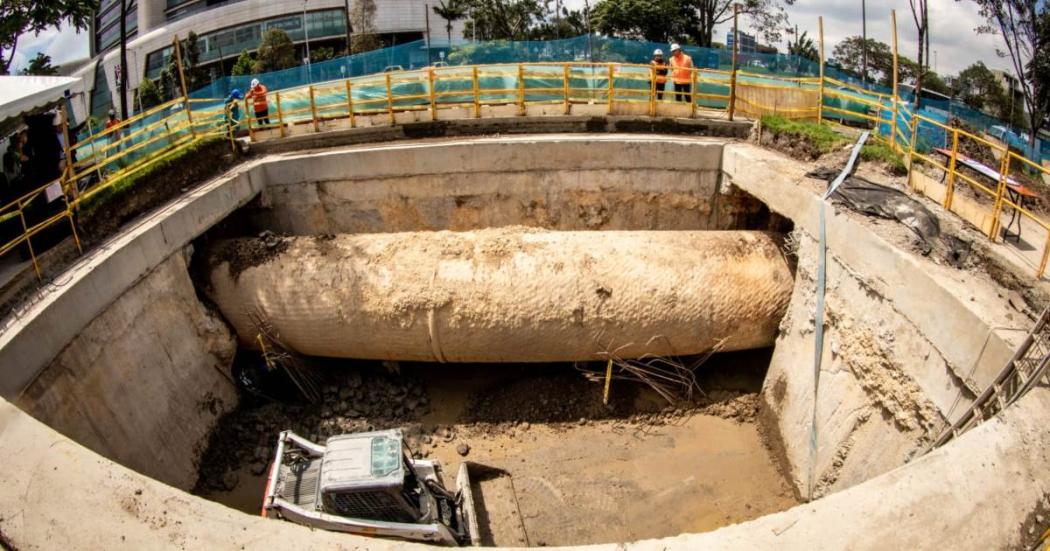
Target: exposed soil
{"points": [[580, 471], [793, 145]]}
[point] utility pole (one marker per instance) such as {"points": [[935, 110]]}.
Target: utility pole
{"points": [[864, 43], [123, 74], [426, 17], [306, 29], [346, 3], [587, 17]]}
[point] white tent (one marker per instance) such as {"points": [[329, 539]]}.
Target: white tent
{"points": [[21, 95]]}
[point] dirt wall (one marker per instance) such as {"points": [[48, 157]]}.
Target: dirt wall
{"points": [[144, 382]]}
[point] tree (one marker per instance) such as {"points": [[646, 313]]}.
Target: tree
{"points": [[150, 95], [804, 47], [276, 52], [452, 11], [245, 64], [1024, 26], [849, 54], [363, 20], [321, 54], [568, 23], [767, 17], [504, 19], [652, 20], [40, 65], [933, 82], [18, 17], [977, 87], [920, 13]]}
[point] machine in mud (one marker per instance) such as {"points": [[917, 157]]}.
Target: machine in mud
{"points": [[368, 483]]}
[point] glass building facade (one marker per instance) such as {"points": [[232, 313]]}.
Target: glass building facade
{"points": [[107, 23], [231, 41]]}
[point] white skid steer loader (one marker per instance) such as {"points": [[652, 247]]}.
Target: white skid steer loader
{"points": [[368, 483]]}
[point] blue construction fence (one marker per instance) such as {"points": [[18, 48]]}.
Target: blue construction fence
{"points": [[598, 49]]}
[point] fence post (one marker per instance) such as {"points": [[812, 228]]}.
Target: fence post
{"points": [[433, 95], [893, 96], [313, 109], [280, 114], [692, 93], [1004, 173], [390, 99], [732, 75], [29, 239], [247, 118], [612, 90], [477, 93], [565, 87], [652, 90], [1042, 262], [949, 190], [350, 103], [521, 89], [70, 170], [182, 82], [820, 94], [911, 149]]}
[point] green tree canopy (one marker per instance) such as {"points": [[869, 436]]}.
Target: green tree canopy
{"points": [[18, 17], [276, 52], [150, 95], [245, 64], [652, 20], [363, 21], [450, 11], [40, 65], [804, 47]]}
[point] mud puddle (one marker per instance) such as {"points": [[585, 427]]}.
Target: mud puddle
{"points": [[580, 471]]}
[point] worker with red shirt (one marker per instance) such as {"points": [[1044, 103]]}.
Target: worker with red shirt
{"points": [[682, 73], [262, 108]]}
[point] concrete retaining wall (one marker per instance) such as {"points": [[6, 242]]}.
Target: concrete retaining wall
{"points": [[145, 381]]}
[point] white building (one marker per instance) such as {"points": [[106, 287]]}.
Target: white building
{"points": [[227, 27]]}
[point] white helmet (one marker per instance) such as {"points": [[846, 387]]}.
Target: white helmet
{"points": [[675, 47], [255, 82], [658, 51]]}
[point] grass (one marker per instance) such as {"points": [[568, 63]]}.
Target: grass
{"points": [[821, 136], [172, 160], [880, 151]]}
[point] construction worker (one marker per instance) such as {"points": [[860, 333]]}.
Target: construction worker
{"points": [[233, 109], [659, 72], [262, 108], [682, 73]]}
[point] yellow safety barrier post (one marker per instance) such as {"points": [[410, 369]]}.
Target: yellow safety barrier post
{"points": [[67, 170], [521, 89], [732, 74], [477, 93], [1004, 174], [313, 109], [820, 94], [433, 95], [29, 240], [390, 99], [182, 82], [692, 94], [893, 96], [248, 118], [949, 190], [280, 113], [652, 90], [350, 103], [911, 149], [609, 102], [565, 87]]}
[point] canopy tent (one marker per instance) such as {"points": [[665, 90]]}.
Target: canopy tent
{"points": [[24, 95]]}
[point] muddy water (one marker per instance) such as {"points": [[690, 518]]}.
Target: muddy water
{"points": [[589, 481]]}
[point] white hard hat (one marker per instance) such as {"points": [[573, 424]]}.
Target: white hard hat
{"points": [[255, 82], [658, 51], [675, 46]]}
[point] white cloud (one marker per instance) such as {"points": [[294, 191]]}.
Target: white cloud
{"points": [[62, 43]]}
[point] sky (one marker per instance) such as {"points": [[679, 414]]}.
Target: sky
{"points": [[951, 22]]}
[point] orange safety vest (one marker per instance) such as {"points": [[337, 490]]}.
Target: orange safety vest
{"points": [[259, 94], [682, 66], [660, 68]]}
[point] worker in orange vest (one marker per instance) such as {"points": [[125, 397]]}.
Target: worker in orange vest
{"points": [[659, 73], [262, 108], [682, 73]]}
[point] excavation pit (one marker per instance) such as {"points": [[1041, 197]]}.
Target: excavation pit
{"points": [[125, 372], [579, 471]]}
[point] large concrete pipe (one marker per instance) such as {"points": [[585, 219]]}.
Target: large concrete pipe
{"points": [[508, 294]]}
